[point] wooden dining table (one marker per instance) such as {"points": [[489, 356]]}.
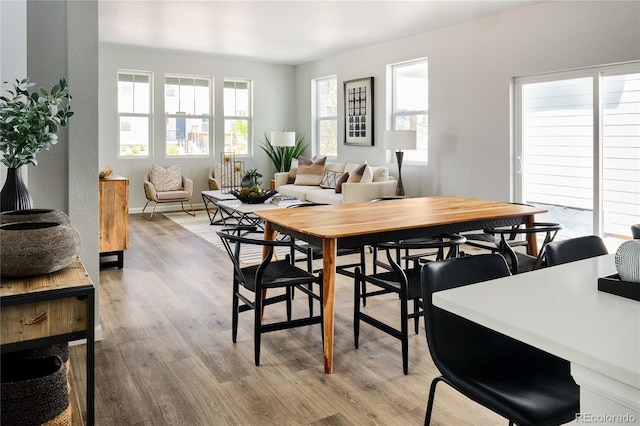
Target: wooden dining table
{"points": [[358, 224]]}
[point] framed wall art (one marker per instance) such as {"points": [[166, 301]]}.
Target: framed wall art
{"points": [[358, 112]]}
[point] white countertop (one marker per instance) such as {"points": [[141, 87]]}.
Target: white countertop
{"points": [[560, 310]]}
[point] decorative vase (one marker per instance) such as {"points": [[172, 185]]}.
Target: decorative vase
{"points": [[14, 194], [34, 215], [247, 182], [36, 248], [628, 261]]}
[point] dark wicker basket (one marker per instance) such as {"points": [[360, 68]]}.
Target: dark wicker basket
{"points": [[35, 392], [254, 197]]}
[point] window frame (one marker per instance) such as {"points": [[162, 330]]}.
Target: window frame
{"points": [[410, 156], [597, 74], [149, 115], [248, 117], [318, 118], [210, 116]]}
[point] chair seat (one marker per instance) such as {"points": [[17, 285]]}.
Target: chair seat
{"points": [[512, 382], [390, 281], [278, 274], [173, 195]]}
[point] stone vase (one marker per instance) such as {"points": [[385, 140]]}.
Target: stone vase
{"points": [[34, 215], [36, 248]]}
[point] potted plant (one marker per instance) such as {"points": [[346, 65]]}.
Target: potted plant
{"points": [[251, 178], [29, 122], [282, 159]]}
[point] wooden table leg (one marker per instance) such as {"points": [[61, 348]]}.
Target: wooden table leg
{"points": [[328, 287]]}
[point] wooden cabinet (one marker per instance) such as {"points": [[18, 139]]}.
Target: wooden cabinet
{"points": [[114, 219]]}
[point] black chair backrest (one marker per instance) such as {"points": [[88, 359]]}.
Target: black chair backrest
{"points": [[451, 338], [573, 249], [635, 231]]}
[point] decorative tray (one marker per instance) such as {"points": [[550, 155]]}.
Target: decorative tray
{"points": [[612, 284]]}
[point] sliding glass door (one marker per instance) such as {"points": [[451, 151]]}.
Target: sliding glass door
{"points": [[578, 148]]}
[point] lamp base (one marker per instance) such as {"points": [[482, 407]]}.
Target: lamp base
{"points": [[399, 187]]}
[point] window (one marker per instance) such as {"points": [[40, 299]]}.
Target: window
{"points": [[134, 113], [326, 116], [188, 117], [237, 116], [579, 148], [410, 104]]}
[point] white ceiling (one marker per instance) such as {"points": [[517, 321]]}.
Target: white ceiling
{"points": [[286, 32]]}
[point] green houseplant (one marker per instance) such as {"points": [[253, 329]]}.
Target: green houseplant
{"points": [[282, 160], [29, 123]]}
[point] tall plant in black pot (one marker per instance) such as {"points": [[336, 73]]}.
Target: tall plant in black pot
{"points": [[29, 122]]}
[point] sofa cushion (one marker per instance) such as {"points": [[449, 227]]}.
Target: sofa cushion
{"points": [[169, 179], [380, 174], [324, 196], [330, 178], [310, 172], [298, 191], [361, 174], [334, 167], [342, 179], [293, 170]]}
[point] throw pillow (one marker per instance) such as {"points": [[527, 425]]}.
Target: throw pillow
{"points": [[380, 174], [310, 172], [361, 174], [330, 179], [293, 170], [342, 179], [169, 179]]}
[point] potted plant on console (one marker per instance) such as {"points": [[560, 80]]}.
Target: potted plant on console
{"points": [[29, 122], [282, 157]]}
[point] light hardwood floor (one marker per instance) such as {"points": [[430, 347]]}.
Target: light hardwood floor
{"points": [[166, 356]]}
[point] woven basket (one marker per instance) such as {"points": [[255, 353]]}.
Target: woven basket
{"points": [[35, 392]]}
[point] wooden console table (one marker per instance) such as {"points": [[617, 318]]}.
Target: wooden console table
{"points": [[49, 309]]}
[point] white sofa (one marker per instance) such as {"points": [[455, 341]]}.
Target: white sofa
{"points": [[352, 192]]}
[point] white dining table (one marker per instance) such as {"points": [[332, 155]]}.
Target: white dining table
{"points": [[561, 311]]}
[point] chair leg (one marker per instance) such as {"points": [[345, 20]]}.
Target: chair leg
{"points": [[193, 211], [234, 316], [152, 211], [416, 318], [356, 307], [432, 394], [257, 327], [404, 335]]}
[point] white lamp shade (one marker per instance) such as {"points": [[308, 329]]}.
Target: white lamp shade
{"points": [[283, 138], [400, 139]]}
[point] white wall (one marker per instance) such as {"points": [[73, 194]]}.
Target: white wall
{"points": [[13, 51], [471, 67], [46, 41], [273, 109]]}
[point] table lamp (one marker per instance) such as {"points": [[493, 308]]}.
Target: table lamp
{"points": [[282, 140], [399, 140]]}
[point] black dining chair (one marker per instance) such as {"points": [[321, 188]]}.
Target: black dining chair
{"points": [[405, 282], [565, 251], [635, 231], [251, 282], [505, 240], [515, 380]]}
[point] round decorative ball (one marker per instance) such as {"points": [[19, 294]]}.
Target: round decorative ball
{"points": [[628, 261], [34, 215], [37, 248]]}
